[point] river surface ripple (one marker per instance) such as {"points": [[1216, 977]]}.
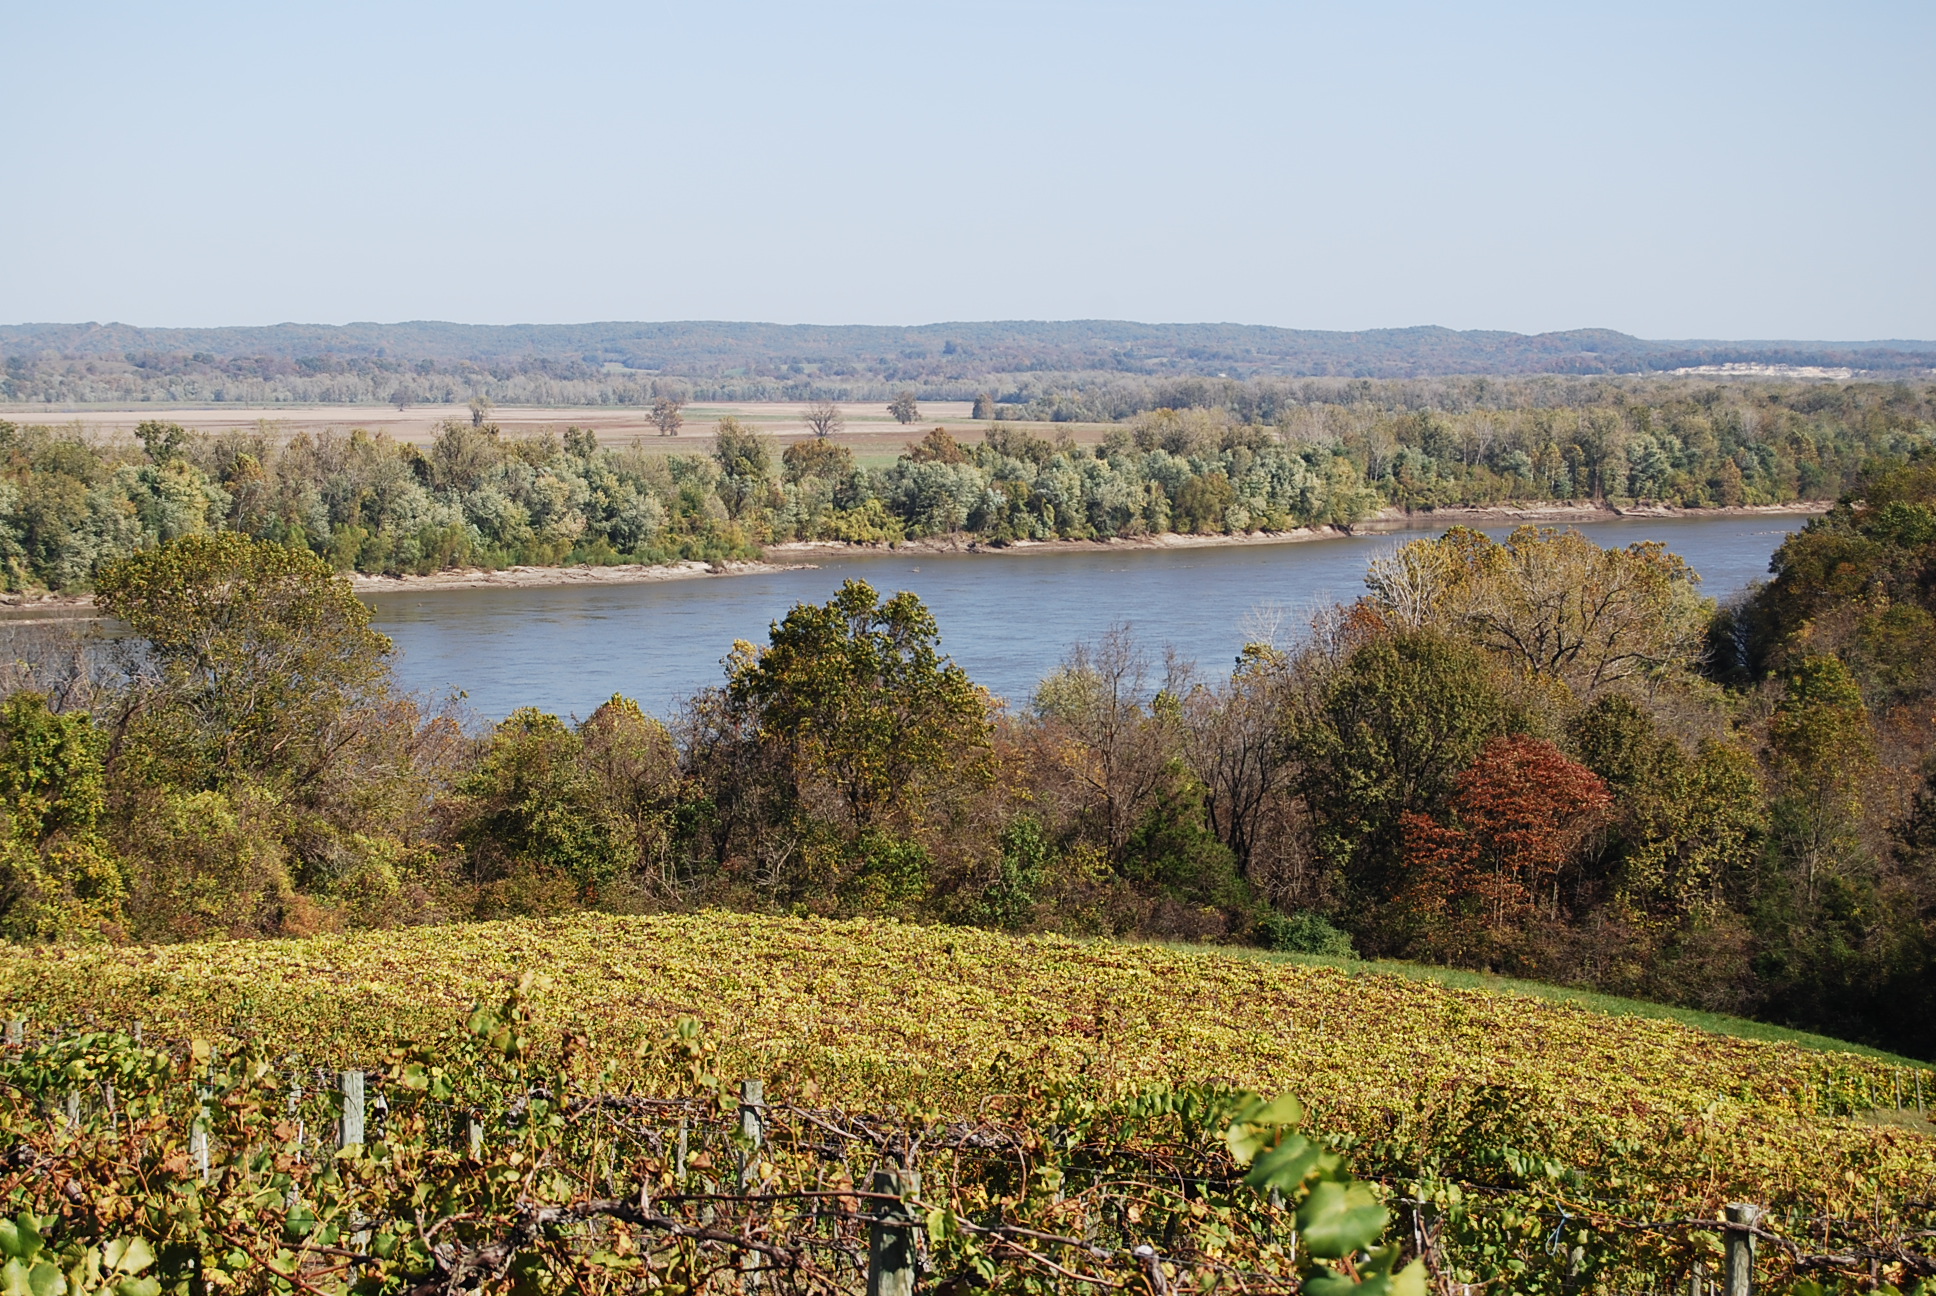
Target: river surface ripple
{"points": [[1008, 619]]}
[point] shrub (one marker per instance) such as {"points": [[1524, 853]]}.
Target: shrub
{"points": [[1304, 933]]}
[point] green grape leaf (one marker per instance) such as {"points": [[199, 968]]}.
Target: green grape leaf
{"points": [[300, 1224], [1326, 1281], [1280, 1111], [1338, 1219], [45, 1280], [127, 1255], [1377, 1279], [1285, 1166], [19, 1239]]}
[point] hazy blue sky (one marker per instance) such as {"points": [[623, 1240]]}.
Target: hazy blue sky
{"points": [[1674, 170]]}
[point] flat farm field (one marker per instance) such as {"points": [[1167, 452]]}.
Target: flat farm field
{"points": [[872, 434]]}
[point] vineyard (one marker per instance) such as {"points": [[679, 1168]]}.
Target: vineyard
{"points": [[1066, 1102]]}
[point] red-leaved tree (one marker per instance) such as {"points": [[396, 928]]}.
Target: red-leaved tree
{"points": [[1518, 814]]}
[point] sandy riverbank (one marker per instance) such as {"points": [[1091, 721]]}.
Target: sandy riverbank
{"points": [[1394, 519], [1388, 520], [970, 545], [461, 578], [467, 578]]}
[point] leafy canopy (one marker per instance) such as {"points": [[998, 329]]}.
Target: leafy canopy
{"points": [[262, 648], [857, 692], [1552, 602]]}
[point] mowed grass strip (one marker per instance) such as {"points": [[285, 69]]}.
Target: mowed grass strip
{"points": [[1594, 1000]]}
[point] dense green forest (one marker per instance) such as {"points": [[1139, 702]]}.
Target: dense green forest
{"points": [[1225, 457], [1539, 757]]}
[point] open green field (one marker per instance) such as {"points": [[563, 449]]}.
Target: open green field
{"points": [[1612, 1005]]}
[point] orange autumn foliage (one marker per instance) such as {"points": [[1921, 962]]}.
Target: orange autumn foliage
{"points": [[1519, 812]]}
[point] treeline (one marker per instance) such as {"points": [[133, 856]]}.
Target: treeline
{"points": [[1435, 444], [1055, 387], [369, 504], [332, 380], [930, 356], [1539, 757], [1221, 458]]}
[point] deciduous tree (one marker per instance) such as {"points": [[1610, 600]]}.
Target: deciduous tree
{"points": [[59, 881], [1517, 815], [1822, 754], [262, 654], [1385, 735], [745, 459], [858, 695], [817, 458], [824, 417], [532, 807], [1552, 602], [667, 416], [1101, 697]]}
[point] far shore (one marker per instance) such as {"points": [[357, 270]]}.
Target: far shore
{"points": [[1392, 519], [1387, 520], [790, 555], [27, 606], [472, 578]]}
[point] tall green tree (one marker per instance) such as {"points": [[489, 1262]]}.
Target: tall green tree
{"points": [[857, 693], [1689, 827], [1385, 736], [1822, 754], [745, 461], [534, 814], [263, 656], [58, 878]]}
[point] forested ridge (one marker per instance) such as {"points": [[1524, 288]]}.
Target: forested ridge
{"points": [[1216, 458], [1538, 757], [627, 363]]}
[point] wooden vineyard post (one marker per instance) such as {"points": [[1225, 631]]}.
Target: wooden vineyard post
{"points": [[752, 1110], [350, 1132], [1742, 1218], [17, 1032], [752, 1128], [198, 1133], [890, 1239]]}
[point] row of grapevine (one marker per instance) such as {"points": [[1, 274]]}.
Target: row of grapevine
{"points": [[504, 1160], [1511, 1140]]}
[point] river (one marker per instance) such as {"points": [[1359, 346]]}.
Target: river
{"points": [[1008, 619]]}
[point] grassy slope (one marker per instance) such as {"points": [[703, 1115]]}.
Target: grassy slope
{"points": [[1592, 1000]]}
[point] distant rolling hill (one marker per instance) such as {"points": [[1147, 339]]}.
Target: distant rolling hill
{"points": [[931, 353]]}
